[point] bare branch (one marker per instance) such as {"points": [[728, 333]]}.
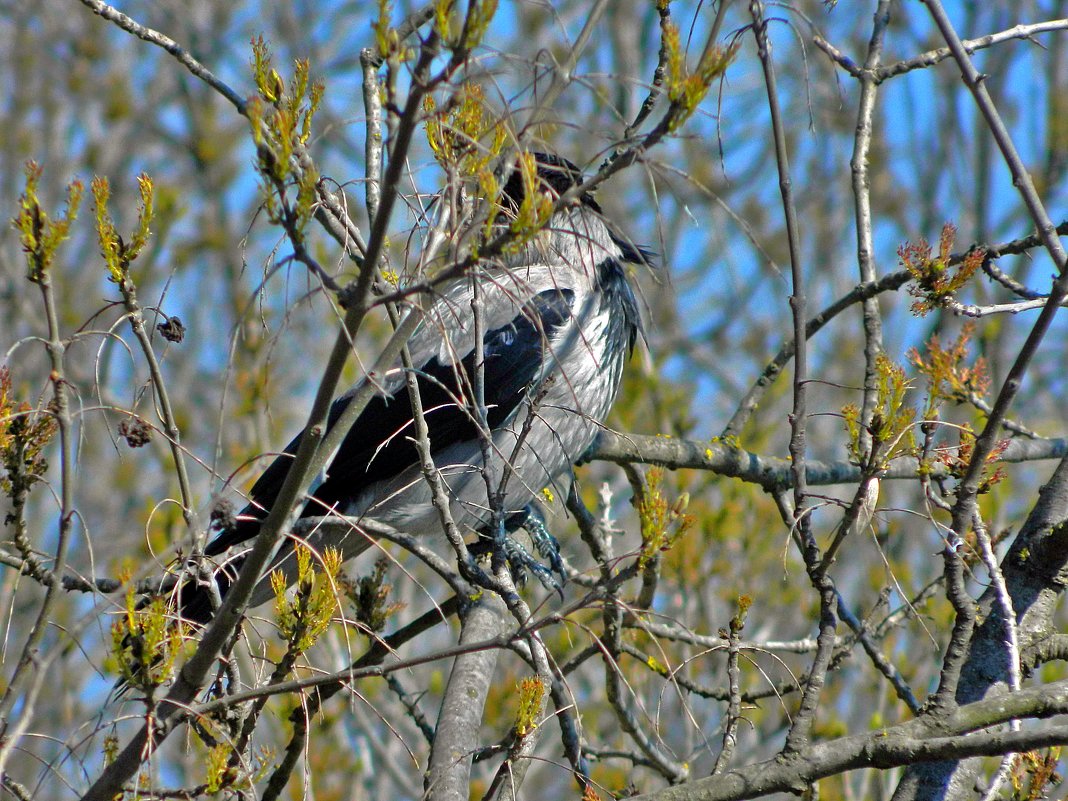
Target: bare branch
{"points": [[932, 57], [913, 742], [861, 182], [770, 471], [862, 292], [25, 682], [151, 36], [457, 735]]}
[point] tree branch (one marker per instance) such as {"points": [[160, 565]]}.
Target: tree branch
{"points": [[915, 741], [448, 776], [1034, 572], [771, 471], [932, 57]]}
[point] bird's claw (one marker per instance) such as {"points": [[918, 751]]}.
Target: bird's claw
{"points": [[545, 543], [551, 576], [521, 561]]}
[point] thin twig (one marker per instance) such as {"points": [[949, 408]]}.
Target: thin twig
{"points": [[563, 71], [861, 183], [1010, 283], [166, 410], [932, 57], [878, 659], [665, 764], [798, 303], [669, 631], [714, 693], [380, 648], [734, 704], [972, 310], [837, 56], [799, 519], [646, 108], [26, 680], [151, 36], [861, 292]]}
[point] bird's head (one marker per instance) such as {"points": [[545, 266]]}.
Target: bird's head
{"points": [[555, 176]]}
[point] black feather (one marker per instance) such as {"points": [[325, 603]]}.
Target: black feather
{"points": [[625, 323]]}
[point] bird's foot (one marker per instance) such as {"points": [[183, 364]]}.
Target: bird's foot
{"points": [[545, 543], [521, 561]]}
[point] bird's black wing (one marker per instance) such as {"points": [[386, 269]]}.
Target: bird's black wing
{"points": [[379, 445]]}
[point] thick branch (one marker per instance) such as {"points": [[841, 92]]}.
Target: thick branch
{"points": [[772, 472], [905, 744], [1035, 571], [456, 739]]}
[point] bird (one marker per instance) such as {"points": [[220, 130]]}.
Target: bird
{"points": [[559, 320]]}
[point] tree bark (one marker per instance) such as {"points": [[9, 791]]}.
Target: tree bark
{"points": [[1035, 576], [459, 720]]}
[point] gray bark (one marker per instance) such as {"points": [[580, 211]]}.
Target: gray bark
{"points": [[460, 718], [1035, 575]]}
